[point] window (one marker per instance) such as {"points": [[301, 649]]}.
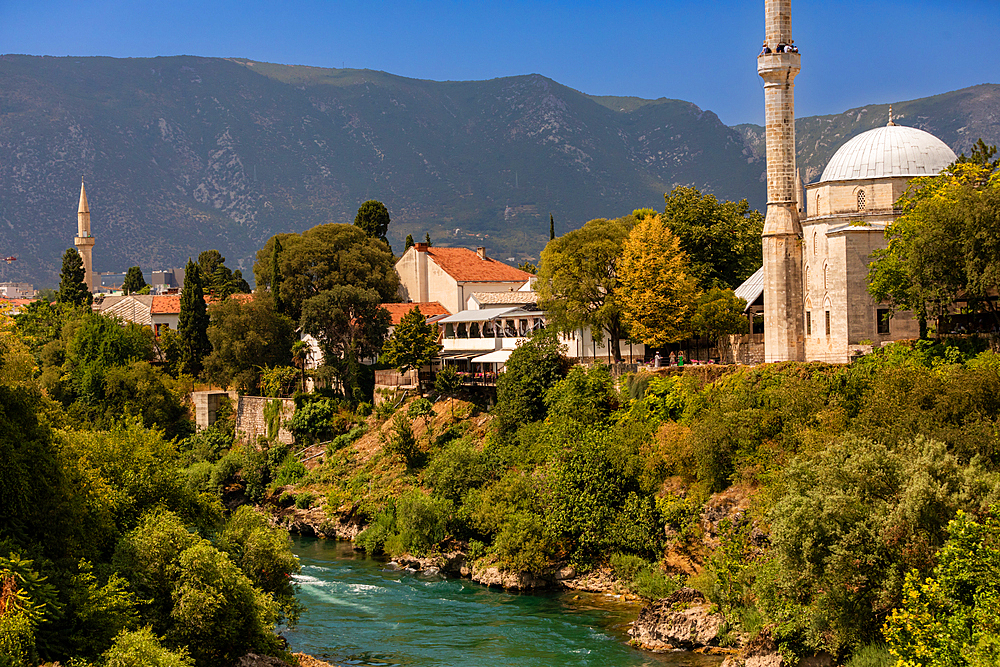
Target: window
{"points": [[809, 323], [883, 321], [817, 203], [826, 277], [449, 330], [462, 331], [807, 280], [861, 200], [815, 243], [828, 323], [474, 330]]}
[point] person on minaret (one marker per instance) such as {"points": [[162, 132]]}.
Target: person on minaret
{"points": [[784, 326], [84, 241]]}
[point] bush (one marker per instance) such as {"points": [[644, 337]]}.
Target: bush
{"points": [[224, 471], [304, 501], [534, 367], [290, 471], [141, 648], [373, 538], [402, 444], [522, 546], [460, 466], [872, 655], [312, 421], [421, 523]]}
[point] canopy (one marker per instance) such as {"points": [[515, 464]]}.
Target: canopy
{"points": [[495, 357], [477, 315]]}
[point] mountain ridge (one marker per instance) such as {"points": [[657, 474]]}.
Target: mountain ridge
{"points": [[185, 153]]}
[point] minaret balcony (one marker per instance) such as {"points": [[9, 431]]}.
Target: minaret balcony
{"points": [[778, 63]]}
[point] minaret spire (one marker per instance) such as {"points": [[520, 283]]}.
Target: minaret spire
{"points": [[84, 241], [784, 328]]}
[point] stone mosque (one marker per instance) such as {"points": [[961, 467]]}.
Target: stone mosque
{"points": [[818, 240]]}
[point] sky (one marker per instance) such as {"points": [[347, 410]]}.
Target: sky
{"points": [[702, 51]]}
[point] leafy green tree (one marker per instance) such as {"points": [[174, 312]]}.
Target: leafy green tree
{"points": [[409, 242], [657, 294], [349, 323], [413, 343], [721, 239], [73, 280], [717, 313], [134, 281], [578, 279], [192, 327], [247, 334], [324, 257], [373, 218], [142, 648], [953, 617], [209, 261], [218, 278], [447, 383], [942, 247], [535, 366]]}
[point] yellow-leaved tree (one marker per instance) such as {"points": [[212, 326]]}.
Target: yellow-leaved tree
{"points": [[657, 293]]}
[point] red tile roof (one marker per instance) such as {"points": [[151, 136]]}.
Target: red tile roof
{"points": [[170, 304], [427, 309], [465, 265]]}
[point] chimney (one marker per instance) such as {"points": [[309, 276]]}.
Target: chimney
{"points": [[420, 247], [481, 252]]}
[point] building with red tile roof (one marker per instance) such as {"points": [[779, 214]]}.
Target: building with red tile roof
{"points": [[428, 310], [450, 275]]}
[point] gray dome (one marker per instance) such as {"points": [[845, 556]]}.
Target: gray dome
{"points": [[893, 150]]}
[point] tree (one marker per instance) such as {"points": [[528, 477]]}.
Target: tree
{"points": [[300, 355], [943, 246], [373, 218], [409, 242], [721, 239], [218, 278], [427, 239], [275, 277], [447, 383], [192, 325], [413, 343], [324, 257], [134, 281], [718, 313], [578, 282], [246, 335], [657, 294], [536, 365], [73, 280], [349, 323], [552, 227]]}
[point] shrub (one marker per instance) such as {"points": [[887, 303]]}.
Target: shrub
{"points": [[224, 471], [460, 466], [312, 421], [290, 471], [521, 545], [199, 477], [402, 444], [373, 538], [534, 367], [421, 522], [141, 648], [304, 501]]}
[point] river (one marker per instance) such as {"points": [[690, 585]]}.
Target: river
{"points": [[360, 613]]}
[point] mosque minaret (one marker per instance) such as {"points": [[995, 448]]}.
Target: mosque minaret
{"points": [[84, 241], [784, 331]]}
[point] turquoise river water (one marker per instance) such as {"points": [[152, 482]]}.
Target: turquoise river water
{"points": [[358, 612]]}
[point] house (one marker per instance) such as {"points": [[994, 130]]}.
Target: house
{"points": [[450, 275], [432, 311]]}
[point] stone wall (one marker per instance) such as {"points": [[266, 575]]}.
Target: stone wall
{"points": [[742, 349], [250, 420], [206, 405]]}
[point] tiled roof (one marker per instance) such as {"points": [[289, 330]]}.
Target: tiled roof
{"points": [[514, 298], [465, 265], [166, 304], [427, 309], [133, 308]]}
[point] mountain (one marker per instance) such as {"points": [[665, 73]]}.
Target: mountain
{"points": [[182, 154]]}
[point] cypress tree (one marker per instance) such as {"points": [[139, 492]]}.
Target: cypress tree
{"points": [[192, 325], [134, 281], [409, 242], [276, 277], [73, 280], [427, 239], [552, 227]]}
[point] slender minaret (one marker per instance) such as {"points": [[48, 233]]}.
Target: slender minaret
{"points": [[784, 329], [84, 241]]}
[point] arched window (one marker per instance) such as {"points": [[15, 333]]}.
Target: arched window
{"points": [[807, 280], [826, 277], [815, 243], [817, 203], [861, 200]]}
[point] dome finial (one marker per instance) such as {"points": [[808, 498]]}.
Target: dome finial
{"points": [[891, 124]]}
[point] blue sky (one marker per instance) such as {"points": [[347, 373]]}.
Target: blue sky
{"points": [[702, 51]]}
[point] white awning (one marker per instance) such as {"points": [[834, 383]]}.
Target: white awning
{"points": [[477, 315], [495, 357]]}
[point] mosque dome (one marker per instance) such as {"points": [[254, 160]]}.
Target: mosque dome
{"points": [[893, 150]]}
